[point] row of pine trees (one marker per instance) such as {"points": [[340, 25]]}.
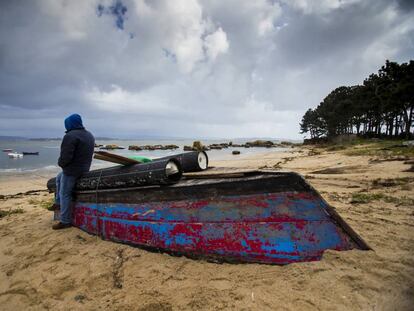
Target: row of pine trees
{"points": [[381, 107]]}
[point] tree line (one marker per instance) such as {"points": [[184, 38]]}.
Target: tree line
{"points": [[381, 107]]}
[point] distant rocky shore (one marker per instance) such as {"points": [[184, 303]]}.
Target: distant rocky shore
{"points": [[198, 146]]}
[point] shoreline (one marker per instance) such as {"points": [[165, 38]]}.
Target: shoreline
{"points": [[44, 269], [15, 181], [225, 154]]}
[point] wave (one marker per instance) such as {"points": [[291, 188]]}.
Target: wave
{"points": [[48, 168]]}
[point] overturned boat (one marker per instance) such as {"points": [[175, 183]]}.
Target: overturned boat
{"points": [[250, 216]]}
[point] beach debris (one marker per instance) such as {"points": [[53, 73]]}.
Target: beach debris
{"points": [[367, 197], [391, 182], [81, 238], [339, 170], [314, 152], [278, 165], [390, 159], [411, 169], [117, 269], [20, 194], [11, 211], [80, 298]]}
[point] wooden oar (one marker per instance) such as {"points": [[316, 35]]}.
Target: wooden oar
{"points": [[114, 158]]}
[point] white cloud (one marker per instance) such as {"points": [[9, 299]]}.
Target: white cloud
{"points": [[319, 6], [268, 19], [189, 67], [182, 31], [216, 43]]}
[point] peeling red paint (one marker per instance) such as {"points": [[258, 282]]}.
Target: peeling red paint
{"points": [[276, 228]]}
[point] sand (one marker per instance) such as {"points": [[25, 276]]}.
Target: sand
{"points": [[42, 269]]}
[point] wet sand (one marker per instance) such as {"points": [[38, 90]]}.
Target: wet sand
{"points": [[72, 270]]}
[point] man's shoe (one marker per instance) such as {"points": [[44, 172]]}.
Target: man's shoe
{"points": [[61, 225]]}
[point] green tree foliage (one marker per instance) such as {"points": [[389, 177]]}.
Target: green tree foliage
{"points": [[312, 123], [382, 106]]}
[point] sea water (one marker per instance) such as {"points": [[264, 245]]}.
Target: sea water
{"points": [[46, 162]]}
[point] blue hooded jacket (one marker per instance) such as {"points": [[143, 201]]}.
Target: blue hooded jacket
{"points": [[77, 147], [73, 122]]}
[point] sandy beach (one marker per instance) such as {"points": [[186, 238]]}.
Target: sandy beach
{"points": [[41, 269]]}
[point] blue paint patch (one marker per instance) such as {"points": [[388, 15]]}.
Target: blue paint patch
{"points": [[281, 245], [246, 208], [297, 228]]}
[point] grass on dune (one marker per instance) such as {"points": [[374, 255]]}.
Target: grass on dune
{"points": [[10, 212], [363, 198], [371, 147], [45, 203]]}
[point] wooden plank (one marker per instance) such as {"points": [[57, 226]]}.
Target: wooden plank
{"points": [[104, 158], [114, 158]]}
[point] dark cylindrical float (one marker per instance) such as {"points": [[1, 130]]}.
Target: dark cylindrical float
{"points": [[162, 172], [193, 161]]}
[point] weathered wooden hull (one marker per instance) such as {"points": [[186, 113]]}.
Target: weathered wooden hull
{"points": [[265, 218]]}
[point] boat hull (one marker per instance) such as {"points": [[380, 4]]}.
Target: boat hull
{"points": [[261, 219]]}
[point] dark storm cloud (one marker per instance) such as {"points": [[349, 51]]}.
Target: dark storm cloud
{"points": [[118, 10], [310, 38], [406, 4], [188, 67]]}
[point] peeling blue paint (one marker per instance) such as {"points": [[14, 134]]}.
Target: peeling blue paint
{"points": [[273, 227]]}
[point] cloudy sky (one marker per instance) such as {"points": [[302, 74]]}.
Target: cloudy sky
{"points": [[188, 68]]}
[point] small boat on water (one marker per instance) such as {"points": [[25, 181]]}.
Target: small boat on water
{"points": [[30, 153], [15, 155], [254, 216], [7, 150]]}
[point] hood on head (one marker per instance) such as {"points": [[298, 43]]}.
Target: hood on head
{"points": [[73, 122]]}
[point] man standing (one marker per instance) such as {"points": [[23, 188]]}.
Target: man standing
{"points": [[76, 153]]}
